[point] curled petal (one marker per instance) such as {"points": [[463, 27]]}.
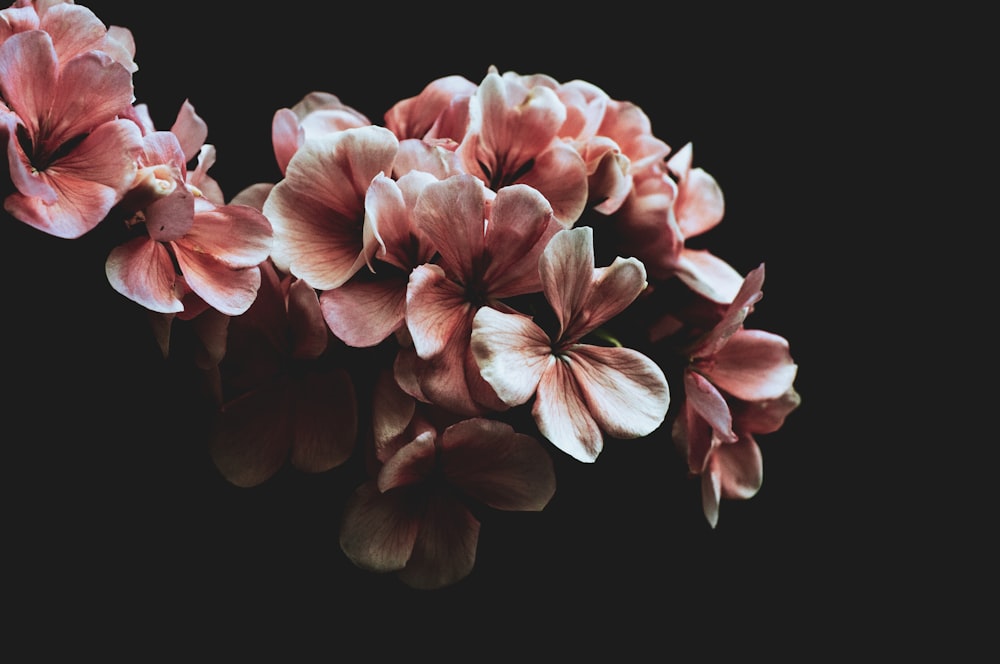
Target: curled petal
{"points": [[512, 353], [412, 464], [753, 365], [706, 400], [741, 468], [142, 270]]}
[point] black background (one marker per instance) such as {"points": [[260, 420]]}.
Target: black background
{"points": [[121, 523]]}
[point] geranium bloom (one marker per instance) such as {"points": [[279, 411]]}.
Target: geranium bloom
{"points": [[318, 209], [413, 518], [731, 363], [187, 242], [282, 400], [581, 391], [513, 138], [489, 246], [71, 157]]}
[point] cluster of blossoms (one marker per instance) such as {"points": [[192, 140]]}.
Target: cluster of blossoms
{"points": [[516, 248]]}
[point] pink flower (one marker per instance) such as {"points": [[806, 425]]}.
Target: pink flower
{"points": [[283, 402], [581, 391], [489, 246], [732, 365], [371, 305], [187, 242], [414, 517], [439, 113], [71, 158], [513, 138], [316, 114], [318, 209]]}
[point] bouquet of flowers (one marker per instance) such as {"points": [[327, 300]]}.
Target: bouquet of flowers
{"points": [[499, 272]]}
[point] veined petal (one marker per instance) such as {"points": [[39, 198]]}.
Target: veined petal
{"points": [[512, 353], [437, 310], [567, 270], [563, 417], [190, 129], [92, 89], [753, 365], [228, 290], [491, 462], [142, 271], [625, 391], [614, 288], [561, 175], [519, 229], [237, 236], [392, 411], [378, 529], [365, 313], [28, 75], [452, 213], [445, 549]]}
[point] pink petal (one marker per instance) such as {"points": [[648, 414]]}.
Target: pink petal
{"points": [[753, 365], [749, 293], [28, 75], [452, 213], [415, 116], [437, 310], [251, 436], [228, 290], [190, 129], [92, 89], [706, 400], [492, 463], [563, 417], [325, 420], [741, 469], [317, 210], [561, 175], [378, 530], [365, 313], [519, 229], [708, 275], [512, 353], [765, 416], [412, 464], [237, 236], [309, 333], [143, 271], [445, 549], [567, 270], [392, 411], [711, 491], [625, 391], [694, 438]]}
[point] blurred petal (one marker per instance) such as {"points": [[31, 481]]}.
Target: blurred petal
{"points": [[445, 549], [378, 529], [491, 462], [325, 422], [251, 437]]}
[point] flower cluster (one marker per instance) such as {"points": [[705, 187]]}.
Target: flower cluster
{"points": [[516, 250]]}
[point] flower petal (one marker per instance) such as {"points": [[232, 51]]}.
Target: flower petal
{"points": [[512, 353], [741, 468], [492, 463], [365, 313], [625, 391], [142, 271], [325, 422], [251, 436], [563, 417], [378, 529], [753, 365], [445, 549]]}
